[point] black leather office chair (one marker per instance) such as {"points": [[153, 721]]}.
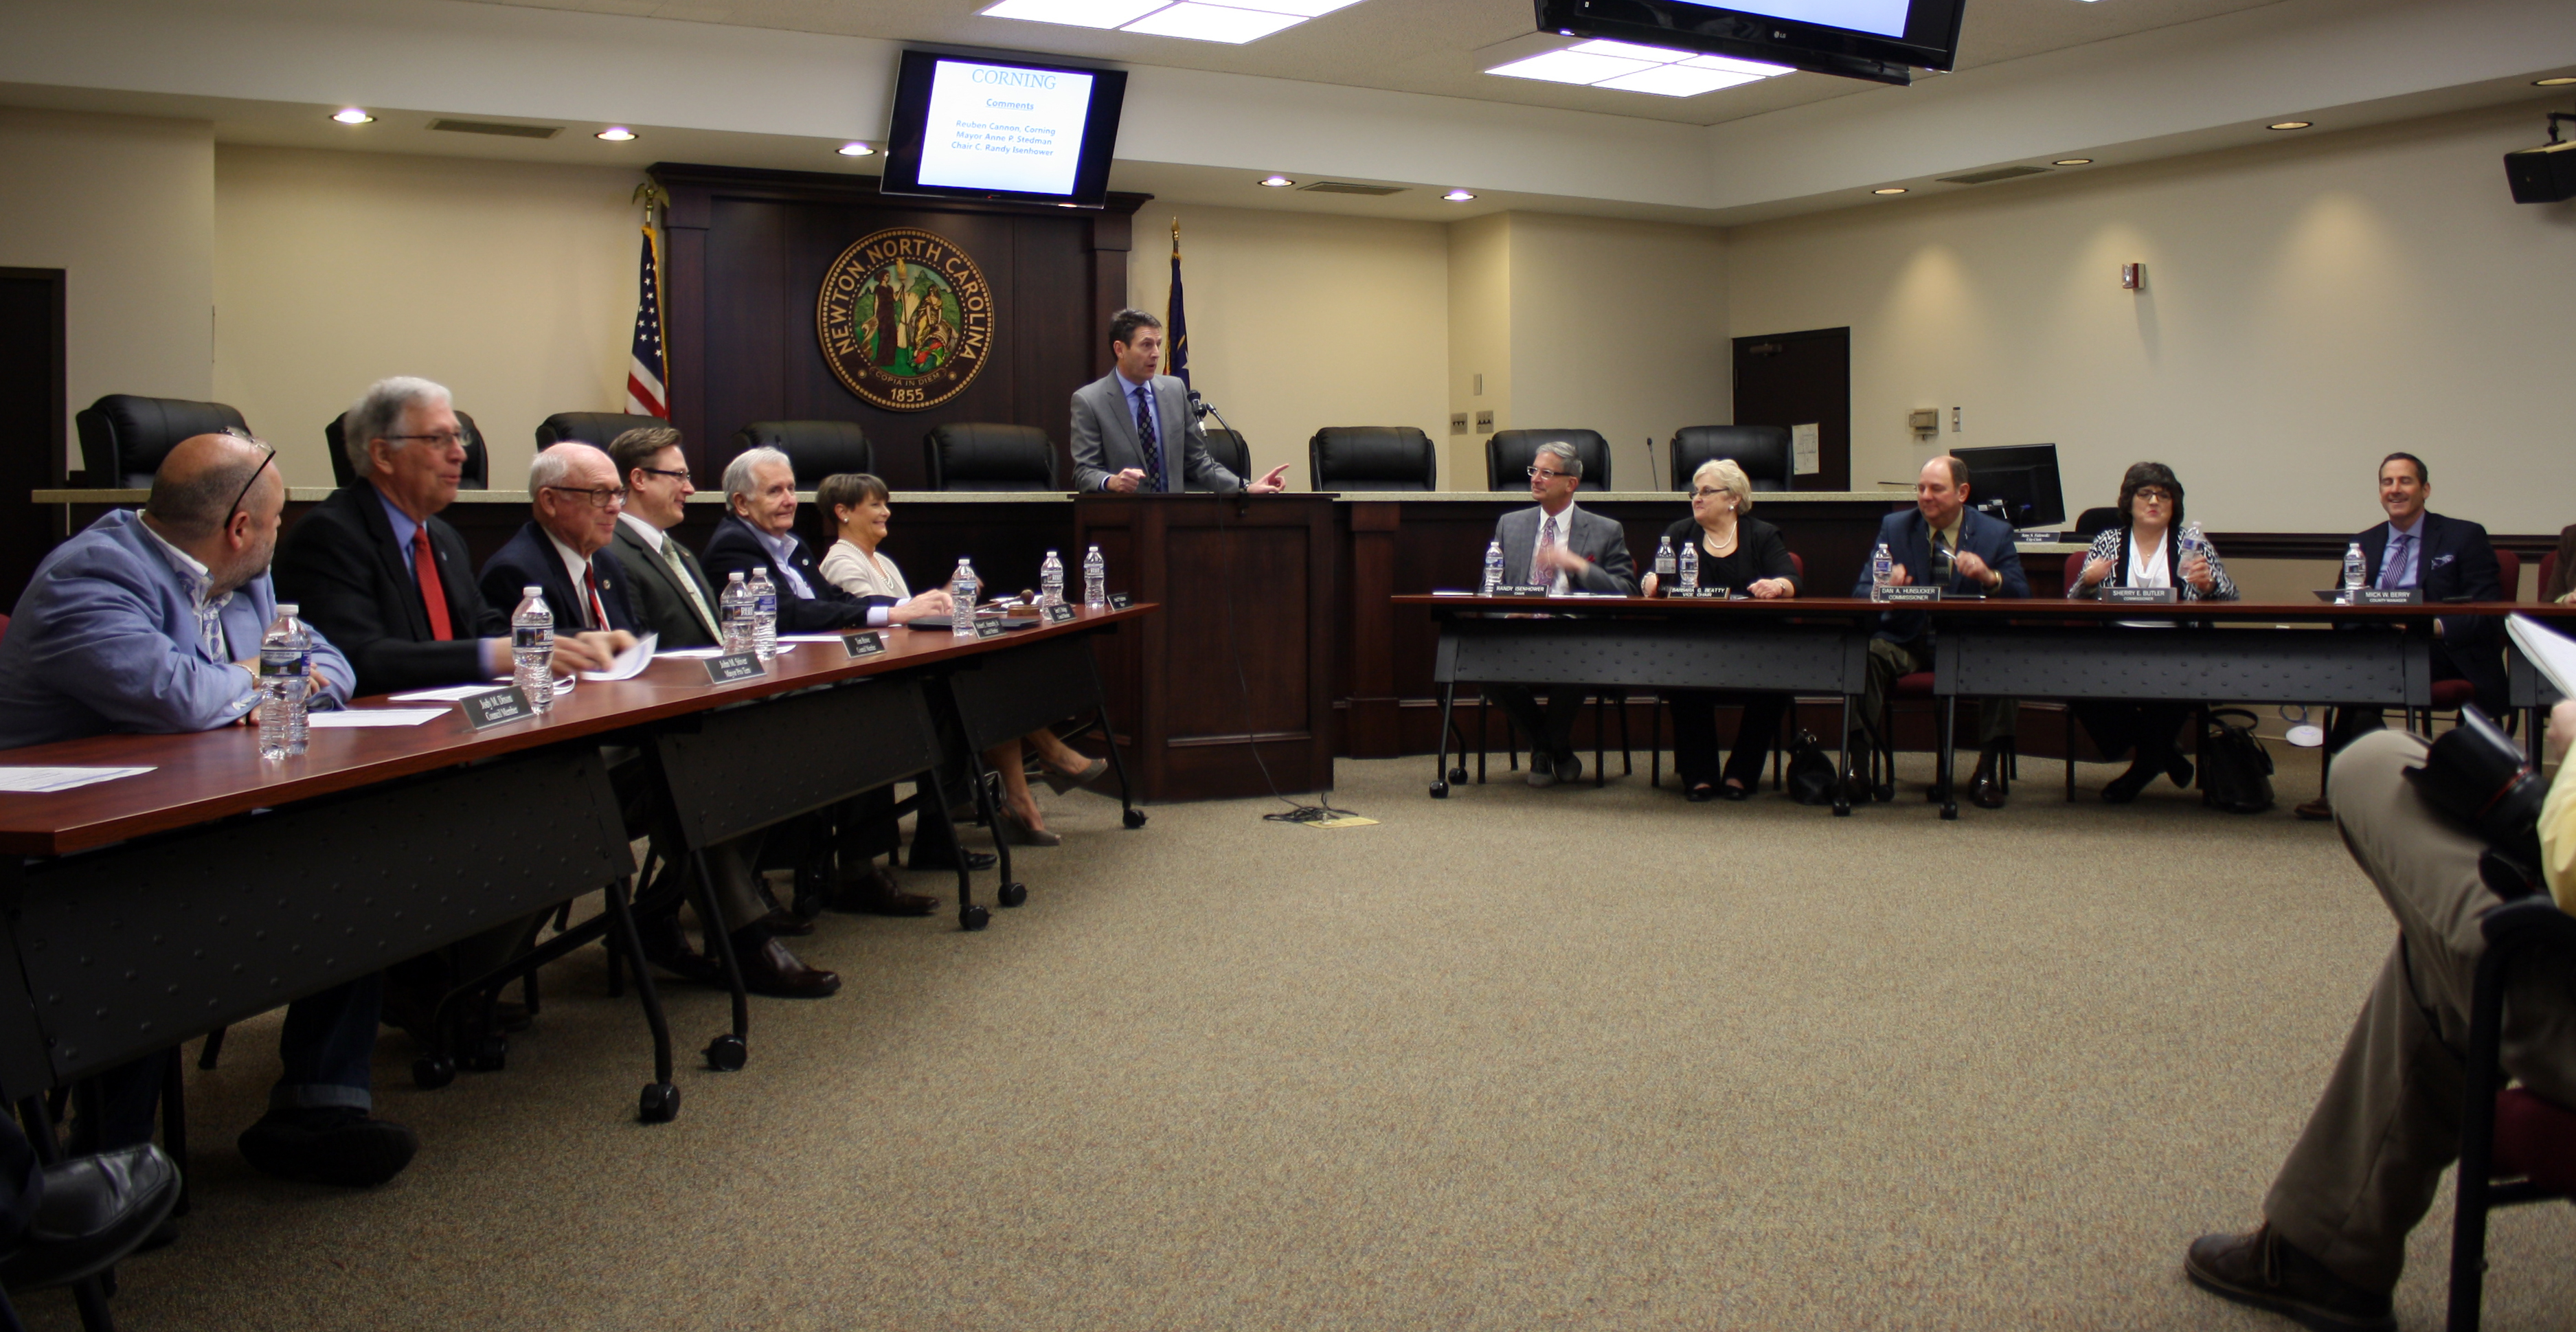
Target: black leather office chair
{"points": [[815, 449], [1231, 452], [478, 460], [1509, 453], [123, 437], [2094, 522], [590, 427], [1372, 458], [980, 455], [1762, 451]]}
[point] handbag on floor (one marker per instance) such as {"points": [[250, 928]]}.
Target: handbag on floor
{"points": [[2235, 768], [1811, 771]]}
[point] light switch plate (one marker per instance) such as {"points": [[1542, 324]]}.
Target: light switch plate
{"points": [[1484, 423], [1458, 423]]}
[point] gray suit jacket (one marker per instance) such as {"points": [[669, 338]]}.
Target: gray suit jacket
{"points": [[658, 602], [1105, 443], [1599, 540]]}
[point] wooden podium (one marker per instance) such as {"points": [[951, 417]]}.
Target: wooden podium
{"points": [[1240, 660]]}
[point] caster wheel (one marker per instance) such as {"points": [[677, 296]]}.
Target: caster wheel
{"points": [[1883, 793], [1135, 818], [1012, 894], [490, 1056], [1458, 776], [974, 918], [430, 1074], [660, 1103], [727, 1053], [1949, 813], [1440, 790]]}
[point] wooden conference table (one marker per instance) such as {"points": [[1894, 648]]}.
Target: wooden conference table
{"points": [[2027, 648], [150, 908]]}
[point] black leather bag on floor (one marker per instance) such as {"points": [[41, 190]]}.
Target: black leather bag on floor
{"points": [[1811, 771], [2235, 768]]}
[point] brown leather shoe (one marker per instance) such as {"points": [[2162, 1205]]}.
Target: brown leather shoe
{"points": [[2262, 1269], [2317, 810], [785, 924], [768, 968], [873, 892]]}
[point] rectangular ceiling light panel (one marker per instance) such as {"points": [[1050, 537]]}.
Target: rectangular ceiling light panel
{"points": [[1569, 67], [1300, 8], [1630, 67], [1075, 13], [1212, 23], [1677, 80]]}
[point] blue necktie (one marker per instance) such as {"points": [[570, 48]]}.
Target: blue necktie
{"points": [[1145, 434], [2388, 570]]}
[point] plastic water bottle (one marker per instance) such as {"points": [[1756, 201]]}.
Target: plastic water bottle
{"points": [[962, 587], [1665, 566], [1095, 581], [2193, 543], [1493, 569], [1882, 567], [285, 675], [2356, 570], [764, 605], [739, 613], [1051, 581], [532, 648], [1690, 567]]}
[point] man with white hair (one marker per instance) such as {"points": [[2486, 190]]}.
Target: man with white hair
{"points": [[574, 493], [760, 532], [379, 573]]}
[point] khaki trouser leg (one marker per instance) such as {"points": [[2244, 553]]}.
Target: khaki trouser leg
{"points": [[2365, 1169]]}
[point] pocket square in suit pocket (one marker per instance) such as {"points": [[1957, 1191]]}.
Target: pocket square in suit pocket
{"points": [[2440, 560]]}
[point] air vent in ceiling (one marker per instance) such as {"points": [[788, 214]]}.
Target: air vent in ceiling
{"points": [[1345, 187], [500, 127], [1999, 173]]}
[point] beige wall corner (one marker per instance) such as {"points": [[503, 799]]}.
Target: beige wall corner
{"points": [[125, 206], [1480, 344], [511, 283]]}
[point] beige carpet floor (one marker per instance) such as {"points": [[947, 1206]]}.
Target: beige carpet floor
{"points": [[1568, 1058]]}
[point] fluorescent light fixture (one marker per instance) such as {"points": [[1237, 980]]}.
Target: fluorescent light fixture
{"points": [[616, 134], [2072, 161], [1677, 80], [2558, 81], [1075, 13], [1277, 182], [1457, 196], [1569, 67], [353, 116], [1629, 51], [854, 150], [1300, 8], [2290, 124], [1756, 68], [1892, 189], [1212, 23]]}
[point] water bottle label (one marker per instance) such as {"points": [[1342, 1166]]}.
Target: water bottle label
{"points": [[530, 638], [284, 662]]}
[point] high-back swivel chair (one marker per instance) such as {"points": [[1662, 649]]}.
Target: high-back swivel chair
{"points": [[814, 449], [988, 456], [478, 459], [1372, 458], [1762, 451], [1510, 453], [124, 437]]}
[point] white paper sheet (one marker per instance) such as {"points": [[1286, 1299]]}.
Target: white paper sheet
{"points": [[784, 639], [447, 695], [352, 718], [563, 684], [34, 780], [1804, 445], [695, 654], [2552, 652], [629, 663]]}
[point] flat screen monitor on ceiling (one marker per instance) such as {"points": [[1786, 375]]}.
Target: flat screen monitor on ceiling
{"points": [[1880, 40], [983, 128]]}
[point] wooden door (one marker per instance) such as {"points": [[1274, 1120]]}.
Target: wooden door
{"points": [[32, 421], [1794, 379]]}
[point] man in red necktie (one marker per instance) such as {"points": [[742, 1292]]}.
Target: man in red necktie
{"points": [[575, 497]]}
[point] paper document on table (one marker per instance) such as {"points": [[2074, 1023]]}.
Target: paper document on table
{"points": [[807, 638], [447, 695], [563, 684], [2549, 650], [629, 663], [695, 654], [347, 718], [34, 780]]}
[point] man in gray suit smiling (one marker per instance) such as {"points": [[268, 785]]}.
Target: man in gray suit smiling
{"points": [[1133, 429], [1567, 550]]}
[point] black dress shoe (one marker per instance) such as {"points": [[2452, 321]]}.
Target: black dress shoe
{"points": [[1729, 791], [665, 946], [2178, 768], [1699, 793], [337, 1145], [95, 1210], [2263, 1270], [768, 968], [2125, 787]]}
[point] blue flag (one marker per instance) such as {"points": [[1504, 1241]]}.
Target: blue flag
{"points": [[1176, 324]]}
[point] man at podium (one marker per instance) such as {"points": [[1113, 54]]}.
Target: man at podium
{"points": [[1133, 429]]}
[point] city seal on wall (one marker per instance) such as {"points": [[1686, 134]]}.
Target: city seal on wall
{"points": [[905, 318]]}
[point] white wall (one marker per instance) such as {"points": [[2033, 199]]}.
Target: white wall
{"points": [[1619, 327], [1480, 342], [125, 206], [2309, 306], [511, 283], [1299, 322]]}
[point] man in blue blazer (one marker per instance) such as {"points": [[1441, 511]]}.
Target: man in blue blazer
{"points": [[151, 623], [574, 492], [2446, 558], [1942, 541]]}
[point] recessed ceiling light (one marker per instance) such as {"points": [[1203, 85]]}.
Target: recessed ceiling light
{"points": [[616, 134], [2555, 81], [1457, 196], [1075, 13], [1300, 8], [2290, 124], [1629, 67], [1569, 67], [1755, 68], [1678, 80], [2072, 161], [1277, 182], [1212, 23], [1892, 189], [854, 150], [353, 116]]}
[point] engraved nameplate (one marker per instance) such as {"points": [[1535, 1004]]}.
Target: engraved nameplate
{"points": [[739, 666], [868, 644], [2140, 596], [493, 707]]}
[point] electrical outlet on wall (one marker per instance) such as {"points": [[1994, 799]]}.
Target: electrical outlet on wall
{"points": [[1457, 423], [1484, 423]]}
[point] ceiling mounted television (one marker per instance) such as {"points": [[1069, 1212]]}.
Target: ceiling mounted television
{"points": [[1880, 40], [978, 127]]}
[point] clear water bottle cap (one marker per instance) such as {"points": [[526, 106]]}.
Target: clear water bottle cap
{"points": [[760, 570], [736, 576], [532, 590], [288, 608]]}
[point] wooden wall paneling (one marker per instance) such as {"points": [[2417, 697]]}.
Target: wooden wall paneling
{"points": [[749, 301], [684, 319]]}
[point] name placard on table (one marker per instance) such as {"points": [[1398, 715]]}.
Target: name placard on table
{"points": [[738, 666], [989, 628], [1056, 614], [1520, 589], [1915, 592], [1118, 601], [1702, 593], [2140, 596], [493, 707], [867, 644]]}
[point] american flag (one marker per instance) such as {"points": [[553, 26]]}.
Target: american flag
{"points": [[644, 375], [1176, 337]]}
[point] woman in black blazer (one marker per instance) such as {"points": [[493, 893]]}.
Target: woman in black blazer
{"points": [[2152, 547], [1746, 556]]}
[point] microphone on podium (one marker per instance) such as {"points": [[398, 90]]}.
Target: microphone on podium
{"points": [[1199, 407]]}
